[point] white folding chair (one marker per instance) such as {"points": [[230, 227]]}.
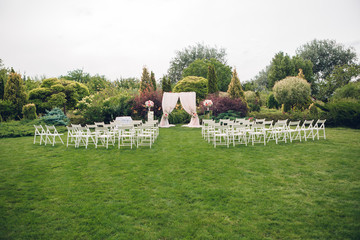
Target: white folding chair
{"points": [[221, 136], [103, 136], [257, 133], [318, 126], [238, 134], [308, 129], [294, 130], [72, 136], [205, 127], [126, 136], [51, 134], [278, 132], [144, 136], [40, 131], [211, 130]]}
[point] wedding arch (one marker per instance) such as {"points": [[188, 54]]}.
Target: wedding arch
{"points": [[188, 102]]}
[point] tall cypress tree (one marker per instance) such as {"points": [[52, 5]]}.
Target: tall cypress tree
{"points": [[15, 92], [145, 83], [212, 80], [166, 84], [235, 89], [153, 81]]}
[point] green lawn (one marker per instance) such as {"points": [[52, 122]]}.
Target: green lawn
{"points": [[182, 188]]}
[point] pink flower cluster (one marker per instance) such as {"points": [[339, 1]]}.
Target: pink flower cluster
{"points": [[194, 115], [208, 103], [149, 103]]}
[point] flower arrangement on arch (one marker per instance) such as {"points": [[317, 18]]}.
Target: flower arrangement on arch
{"points": [[149, 104], [194, 114], [166, 115]]}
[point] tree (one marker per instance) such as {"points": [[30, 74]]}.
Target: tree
{"points": [[193, 84], [188, 55], [340, 76], [3, 79], [55, 92], [325, 55], [77, 75], [145, 82], [153, 81], [292, 91], [199, 68], [235, 89], [128, 83], [15, 92], [281, 67], [212, 80], [166, 84], [97, 83], [259, 82]]}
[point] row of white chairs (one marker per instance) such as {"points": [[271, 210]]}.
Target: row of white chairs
{"points": [[226, 132], [46, 136], [100, 134]]}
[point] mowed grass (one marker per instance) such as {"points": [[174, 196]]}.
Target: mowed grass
{"points": [[182, 188]]}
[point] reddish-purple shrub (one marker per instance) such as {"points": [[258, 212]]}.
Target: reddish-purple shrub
{"points": [[224, 104], [139, 110]]}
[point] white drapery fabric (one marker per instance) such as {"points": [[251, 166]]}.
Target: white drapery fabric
{"points": [[169, 101], [188, 101]]}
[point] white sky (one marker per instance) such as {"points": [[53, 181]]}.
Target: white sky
{"points": [[116, 38]]}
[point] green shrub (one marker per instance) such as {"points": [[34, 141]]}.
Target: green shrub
{"points": [[7, 110], [179, 116], [55, 117], [341, 113], [29, 111], [21, 128], [292, 91], [193, 84], [271, 102], [231, 114], [351, 90]]}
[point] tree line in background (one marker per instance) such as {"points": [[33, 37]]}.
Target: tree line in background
{"points": [[322, 71]]}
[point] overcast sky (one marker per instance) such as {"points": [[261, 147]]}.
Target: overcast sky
{"points": [[116, 38]]}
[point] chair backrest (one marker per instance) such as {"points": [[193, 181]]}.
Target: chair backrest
{"points": [[293, 124], [282, 121], [268, 124], [260, 120], [226, 122], [258, 127], [320, 123], [137, 122], [99, 124], [240, 120], [90, 126], [206, 121], [51, 129], [307, 124], [39, 130]]}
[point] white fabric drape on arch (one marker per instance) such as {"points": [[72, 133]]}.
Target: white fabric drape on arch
{"points": [[188, 101], [169, 101]]}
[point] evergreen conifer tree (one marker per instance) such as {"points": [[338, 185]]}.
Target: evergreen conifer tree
{"points": [[235, 90], [212, 80], [14, 91], [166, 84], [145, 83], [153, 81]]}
